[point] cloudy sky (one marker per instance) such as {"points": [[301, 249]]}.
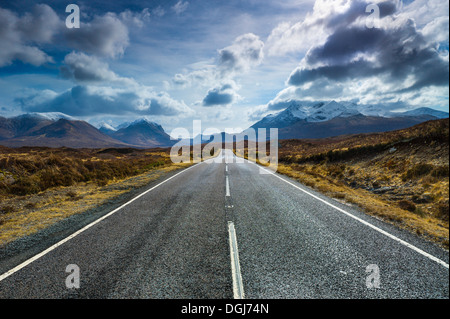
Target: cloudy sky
{"points": [[226, 63]]}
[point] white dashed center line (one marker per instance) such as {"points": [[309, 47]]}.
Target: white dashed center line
{"points": [[238, 287]]}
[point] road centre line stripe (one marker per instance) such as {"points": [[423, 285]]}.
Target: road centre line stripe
{"points": [[46, 251], [227, 187], [238, 287], [420, 251]]}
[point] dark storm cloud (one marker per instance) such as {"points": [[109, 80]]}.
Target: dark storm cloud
{"points": [[221, 95], [91, 101], [345, 44], [360, 52], [217, 97]]}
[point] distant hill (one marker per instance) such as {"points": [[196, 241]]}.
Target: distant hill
{"points": [[141, 133], [63, 132], [425, 111], [21, 125], [59, 130]]}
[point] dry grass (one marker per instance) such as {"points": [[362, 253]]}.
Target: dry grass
{"points": [[27, 171]]}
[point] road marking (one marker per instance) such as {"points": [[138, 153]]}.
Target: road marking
{"points": [[238, 287], [226, 168], [43, 253], [227, 187], [420, 251]]}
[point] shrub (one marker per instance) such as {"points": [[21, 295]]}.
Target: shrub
{"points": [[407, 205], [419, 211], [71, 194], [440, 171], [418, 170], [7, 209], [443, 211], [30, 205], [24, 186]]}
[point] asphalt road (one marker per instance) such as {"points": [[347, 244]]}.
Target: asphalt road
{"points": [[221, 229]]}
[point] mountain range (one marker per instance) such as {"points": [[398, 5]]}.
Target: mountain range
{"points": [[327, 119], [298, 120], [60, 130]]}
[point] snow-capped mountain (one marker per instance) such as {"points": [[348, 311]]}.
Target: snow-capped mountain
{"points": [[107, 129], [58, 129], [327, 111], [324, 119], [52, 130], [51, 116], [24, 124], [309, 112]]}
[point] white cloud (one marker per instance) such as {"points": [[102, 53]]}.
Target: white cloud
{"points": [[83, 68], [21, 37], [202, 77], [425, 11], [180, 7], [245, 53], [105, 35], [135, 19], [437, 30], [158, 11]]}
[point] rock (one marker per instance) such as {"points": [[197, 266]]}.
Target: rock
{"points": [[427, 197], [376, 185], [353, 184], [382, 190]]}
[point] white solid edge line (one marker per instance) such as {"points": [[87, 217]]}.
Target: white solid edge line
{"points": [[238, 287], [46, 251], [420, 251]]}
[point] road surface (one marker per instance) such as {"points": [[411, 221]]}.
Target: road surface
{"points": [[222, 229]]}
